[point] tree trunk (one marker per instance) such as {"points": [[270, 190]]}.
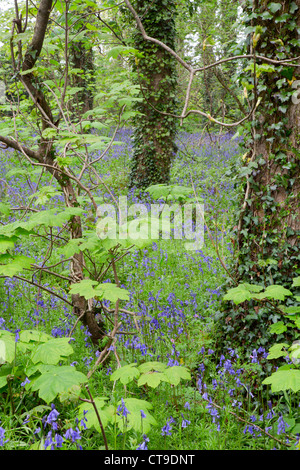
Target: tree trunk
{"points": [[154, 133], [269, 223], [82, 308], [82, 59]]}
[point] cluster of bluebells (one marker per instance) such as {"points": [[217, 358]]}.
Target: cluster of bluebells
{"points": [[144, 444], [3, 441], [167, 428], [122, 410], [54, 439], [230, 380], [167, 314]]}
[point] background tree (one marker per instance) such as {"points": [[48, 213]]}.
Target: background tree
{"points": [[154, 132], [81, 55]]}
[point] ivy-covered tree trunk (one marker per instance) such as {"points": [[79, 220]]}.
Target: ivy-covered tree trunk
{"points": [[81, 57], [269, 225], [154, 132]]}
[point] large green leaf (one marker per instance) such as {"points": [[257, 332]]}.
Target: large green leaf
{"points": [[296, 281], [275, 292], [90, 289], [84, 288], [152, 366], [152, 379], [278, 350], [36, 336], [17, 265], [238, 294], [52, 351], [284, 380], [170, 192], [57, 380], [125, 374], [6, 243], [106, 413], [7, 346], [134, 419], [176, 373], [4, 208], [109, 291], [48, 218]]}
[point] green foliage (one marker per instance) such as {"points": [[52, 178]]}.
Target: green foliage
{"points": [[35, 355], [170, 192], [91, 289], [154, 126], [151, 374], [286, 377]]}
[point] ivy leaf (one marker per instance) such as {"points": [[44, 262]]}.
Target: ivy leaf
{"points": [[274, 7], [57, 380], [284, 380], [52, 351], [287, 72]]}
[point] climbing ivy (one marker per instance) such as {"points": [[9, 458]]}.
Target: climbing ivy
{"points": [[154, 131], [267, 228]]}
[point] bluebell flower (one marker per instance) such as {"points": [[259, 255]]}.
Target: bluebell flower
{"points": [[26, 381], [51, 418], [185, 422], [2, 436], [122, 409], [58, 440], [281, 425], [166, 430], [72, 435]]}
